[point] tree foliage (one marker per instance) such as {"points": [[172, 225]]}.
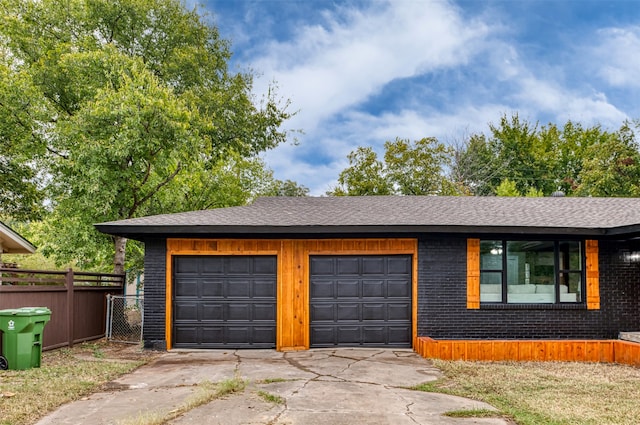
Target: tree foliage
{"points": [[408, 168], [536, 159], [515, 158], [121, 104]]}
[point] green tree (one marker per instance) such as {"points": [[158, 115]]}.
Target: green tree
{"points": [[418, 168], [124, 98], [537, 159], [507, 188], [409, 168], [611, 167], [20, 196], [474, 166], [366, 175]]}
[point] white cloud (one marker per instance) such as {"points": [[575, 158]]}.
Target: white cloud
{"points": [[617, 56], [547, 97], [353, 55]]}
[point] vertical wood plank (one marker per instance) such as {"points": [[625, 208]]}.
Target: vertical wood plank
{"points": [[445, 350], [593, 275], [299, 290], [286, 290], [414, 292], [473, 273], [459, 350]]}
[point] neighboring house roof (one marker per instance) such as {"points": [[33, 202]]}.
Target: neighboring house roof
{"points": [[396, 214], [12, 243]]}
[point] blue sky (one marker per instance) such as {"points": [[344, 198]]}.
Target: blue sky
{"points": [[360, 73]]}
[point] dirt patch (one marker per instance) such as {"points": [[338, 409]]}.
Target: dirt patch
{"points": [[103, 349]]}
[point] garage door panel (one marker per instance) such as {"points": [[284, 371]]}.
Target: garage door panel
{"points": [[187, 265], [399, 265], [398, 288], [320, 267], [398, 311], [219, 301], [323, 313], [237, 334], [264, 335], [374, 311], [263, 288], [365, 302], [347, 334], [187, 333], [323, 336], [211, 311], [373, 265], [374, 335], [347, 311], [237, 311], [213, 265], [323, 289], [237, 288], [398, 334], [210, 334], [347, 266], [185, 311], [186, 288], [264, 312], [239, 265], [264, 266], [348, 288], [373, 288], [211, 288]]}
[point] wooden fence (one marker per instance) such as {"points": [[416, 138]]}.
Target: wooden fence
{"points": [[77, 301]]}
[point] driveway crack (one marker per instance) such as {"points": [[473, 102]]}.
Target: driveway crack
{"points": [[409, 413]]}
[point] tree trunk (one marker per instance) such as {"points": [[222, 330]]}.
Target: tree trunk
{"points": [[118, 260]]}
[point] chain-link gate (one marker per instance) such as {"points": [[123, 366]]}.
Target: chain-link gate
{"points": [[125, 318]]}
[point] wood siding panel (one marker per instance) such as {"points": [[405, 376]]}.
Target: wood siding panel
{"points": [[602, 351], [292, 275], [593, 275], [473, 273]]}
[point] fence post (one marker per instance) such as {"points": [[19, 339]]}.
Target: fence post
{"points": [[68, 281], [108, 319]]}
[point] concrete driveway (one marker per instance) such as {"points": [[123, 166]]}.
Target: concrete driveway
{"points": [[321, 386]]}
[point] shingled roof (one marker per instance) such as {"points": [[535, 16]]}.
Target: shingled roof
{"points": [[396, 214]]}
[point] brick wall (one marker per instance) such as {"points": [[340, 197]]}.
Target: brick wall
{"points": [[442, 312], [154, 294]]}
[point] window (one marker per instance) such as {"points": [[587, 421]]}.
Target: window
{"points": [[531, 272]]}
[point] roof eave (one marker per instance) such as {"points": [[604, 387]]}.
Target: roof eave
{"points": [[19, 245], [143, 232]]}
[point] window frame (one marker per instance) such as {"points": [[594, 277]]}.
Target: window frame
{"points": [[557, 272]]}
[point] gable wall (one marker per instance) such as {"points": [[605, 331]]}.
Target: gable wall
{"points": [[443, 312]]}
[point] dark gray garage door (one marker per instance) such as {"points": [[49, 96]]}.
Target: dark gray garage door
{"points": [[224, 301], [360, 301]]}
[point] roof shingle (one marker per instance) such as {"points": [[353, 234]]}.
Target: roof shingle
{"points": [[274, 214]]}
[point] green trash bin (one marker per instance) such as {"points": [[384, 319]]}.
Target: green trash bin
{"points": [[22, 336]]}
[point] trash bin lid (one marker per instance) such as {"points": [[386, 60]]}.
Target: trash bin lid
{"points": [[25, 311]]}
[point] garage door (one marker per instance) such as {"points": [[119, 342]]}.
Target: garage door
{"points": [[224, 302], [360, 301]]}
